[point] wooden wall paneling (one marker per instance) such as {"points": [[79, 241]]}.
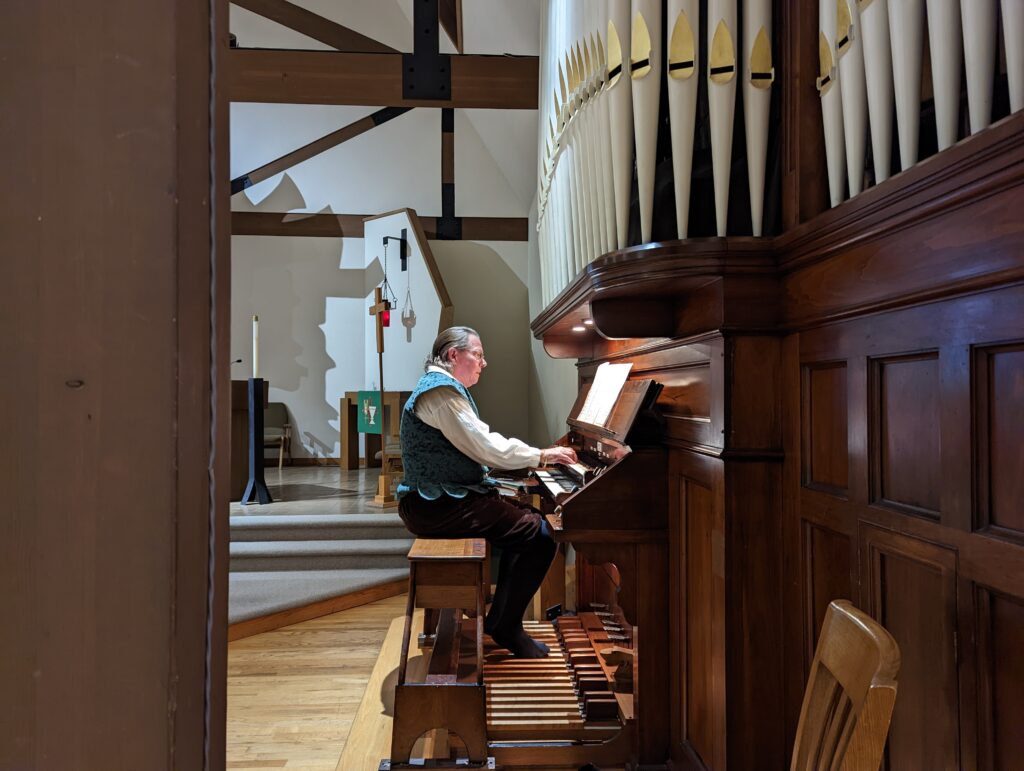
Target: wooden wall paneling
{"points": [[685, 402], [944, 227], [792, 532], [751, 395], [687, 391], [956, 444], [999, 421], [976, 319], [652, 684], [992, 561], [704, 665], [753, 647], [967, 669], [1000, 634], [677, 615], [905, 452], [824, 427], [827, 574], [909, 586], [913, 263], [859, 429]]}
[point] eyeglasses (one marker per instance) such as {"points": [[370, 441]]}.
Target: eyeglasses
{"points": [[476, 354]]}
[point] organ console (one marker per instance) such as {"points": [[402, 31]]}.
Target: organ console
{"points": [[601, 696], [611, 507]]}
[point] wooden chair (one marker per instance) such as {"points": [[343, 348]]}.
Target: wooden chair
{"points": [[277, 432], [850, 694]]}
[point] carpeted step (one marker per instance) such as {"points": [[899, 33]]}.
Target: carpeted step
{"points": [[319, 555], [254, 594], [317, 527]]}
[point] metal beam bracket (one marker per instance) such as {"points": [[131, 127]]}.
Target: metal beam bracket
{"points": [[426, 77], [426, 73]]}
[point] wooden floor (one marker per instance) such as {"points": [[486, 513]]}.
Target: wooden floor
{"points": [[293, 692]]}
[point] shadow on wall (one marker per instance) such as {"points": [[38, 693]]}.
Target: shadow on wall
{"points": [[308, 309], [334, 305], [489, 296], [553, 389]]}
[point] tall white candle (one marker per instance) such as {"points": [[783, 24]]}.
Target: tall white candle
{"points": [[255, 346]]}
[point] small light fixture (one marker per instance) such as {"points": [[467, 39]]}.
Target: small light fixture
{"points": [[588, 322], [579, 328]]}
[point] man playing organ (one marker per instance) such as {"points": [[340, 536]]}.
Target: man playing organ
{"points": [[446, 493]]}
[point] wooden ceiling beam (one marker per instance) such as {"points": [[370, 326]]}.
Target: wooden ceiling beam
{"points": [[316, 147], [351, 226], [449, 13], [329, 77], [312, 25]]}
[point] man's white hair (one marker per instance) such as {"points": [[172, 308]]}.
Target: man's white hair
{"points": [[453, 338]]}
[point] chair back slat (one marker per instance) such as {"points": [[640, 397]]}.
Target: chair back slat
{"points": [[849, 696]]}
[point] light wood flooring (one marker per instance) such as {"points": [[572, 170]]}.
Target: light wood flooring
{"points": [[293, 692]]}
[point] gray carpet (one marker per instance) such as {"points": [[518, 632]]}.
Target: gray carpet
{"points": [[286, 561], [256, 594]]}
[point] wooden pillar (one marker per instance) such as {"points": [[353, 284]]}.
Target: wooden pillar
{"points": [[804, 182], [115, 475]]}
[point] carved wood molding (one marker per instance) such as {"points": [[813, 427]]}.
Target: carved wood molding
{"points": [[949, 226], [658, 270], [979, 166]]}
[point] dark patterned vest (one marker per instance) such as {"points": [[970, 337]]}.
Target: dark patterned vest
{"points": [[433, 465]]}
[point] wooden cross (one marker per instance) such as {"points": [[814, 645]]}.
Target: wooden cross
{"points": [[384, 496], [377, 309]]}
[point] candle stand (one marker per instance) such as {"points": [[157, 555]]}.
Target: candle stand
{"points": [[256, 490]]}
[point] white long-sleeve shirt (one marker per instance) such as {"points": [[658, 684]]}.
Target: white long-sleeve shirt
{"points": [[448, 411]]}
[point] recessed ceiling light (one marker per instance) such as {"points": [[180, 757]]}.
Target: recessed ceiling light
{"points": [[579, 328]]}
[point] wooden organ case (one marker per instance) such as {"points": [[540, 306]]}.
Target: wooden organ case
{"points": [[686, 322], [843, 418], [613, 512]]}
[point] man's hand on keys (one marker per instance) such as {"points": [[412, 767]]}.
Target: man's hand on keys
{"points": [[557, 454]]}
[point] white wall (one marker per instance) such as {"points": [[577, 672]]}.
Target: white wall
{"points": [[405, 350], [487, 282], [309, 294], [553, 382], [317, 339], [312, 294]]}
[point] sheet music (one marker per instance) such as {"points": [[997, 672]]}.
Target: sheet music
{"points": [[604, 393]]}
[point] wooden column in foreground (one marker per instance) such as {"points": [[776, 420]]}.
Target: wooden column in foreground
{"points": [[113, 551]]}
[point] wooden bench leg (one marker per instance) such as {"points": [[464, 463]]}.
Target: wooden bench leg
{"points": [[430, 618], [459, 708]]}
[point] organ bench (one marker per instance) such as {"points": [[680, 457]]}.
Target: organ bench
{"points": [[570, 708]]}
